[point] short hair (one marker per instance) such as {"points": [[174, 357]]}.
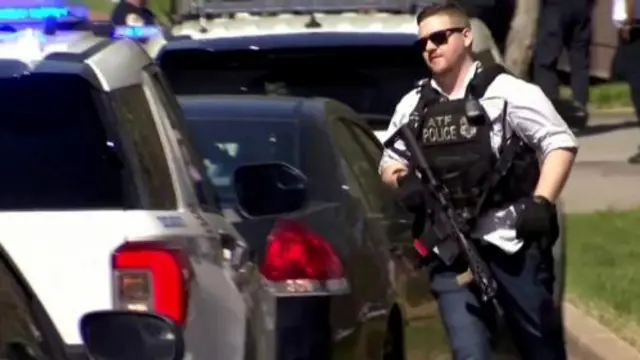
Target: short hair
{"points": [[449, 8]]}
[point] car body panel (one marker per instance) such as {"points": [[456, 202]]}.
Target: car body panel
{"points": [[27, 307], [358, 321]]}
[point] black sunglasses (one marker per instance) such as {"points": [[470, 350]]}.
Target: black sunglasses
{"points": [[438, 38]]}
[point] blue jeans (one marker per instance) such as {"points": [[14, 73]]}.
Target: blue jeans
{"points": [[525, 295]]}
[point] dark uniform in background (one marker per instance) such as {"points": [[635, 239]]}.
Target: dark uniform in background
{"points": [[496, 14], [563, 24], [132, 13], [625, 63]]}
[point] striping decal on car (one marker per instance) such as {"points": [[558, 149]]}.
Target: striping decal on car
{"points": [[170, 221]]}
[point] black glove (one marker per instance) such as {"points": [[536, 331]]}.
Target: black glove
{"points": [[410, 192], [538, 220]]}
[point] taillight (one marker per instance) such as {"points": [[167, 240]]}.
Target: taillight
{"points": [[301, 259], [151, 277]]}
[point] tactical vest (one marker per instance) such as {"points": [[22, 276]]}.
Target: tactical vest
{"points": [[455, 136]]}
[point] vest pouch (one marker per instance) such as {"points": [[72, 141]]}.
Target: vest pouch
{"points": [[520, 180], [474, 112], [463, 177]]}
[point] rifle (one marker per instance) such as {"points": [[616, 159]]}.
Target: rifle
{"points": [[444, 216]]}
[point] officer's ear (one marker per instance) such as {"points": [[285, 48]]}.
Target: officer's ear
{"points": [[468, 37]]}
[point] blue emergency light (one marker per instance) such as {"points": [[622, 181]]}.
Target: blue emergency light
{"points": [[37, 14], [49, 18], [136, 32]]}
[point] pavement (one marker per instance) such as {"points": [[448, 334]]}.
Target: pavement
{"points": [[601, 180]]}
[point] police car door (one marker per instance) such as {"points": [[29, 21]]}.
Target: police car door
{"points": [[223, 309], [26, 330], [208, 208]]}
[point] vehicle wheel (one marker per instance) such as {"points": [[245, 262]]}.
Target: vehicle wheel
{"points": [[394, 339]]}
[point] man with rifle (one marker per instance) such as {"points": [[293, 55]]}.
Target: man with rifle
{"points": [[480, 156]]}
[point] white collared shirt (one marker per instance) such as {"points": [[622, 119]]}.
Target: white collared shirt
{"points": [[619, 12], [529, 113]]}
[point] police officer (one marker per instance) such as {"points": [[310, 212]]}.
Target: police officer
{"points": [[515, 231], [563, 23], [484, 47], [132, 13]]}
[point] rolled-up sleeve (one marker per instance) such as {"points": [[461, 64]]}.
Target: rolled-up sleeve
{"points": [[396, 152], [532, 116]]}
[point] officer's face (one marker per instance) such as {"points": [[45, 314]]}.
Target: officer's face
{"points": [[444, 42]]}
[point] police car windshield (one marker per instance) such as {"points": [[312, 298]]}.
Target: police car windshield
{"points": [[370, 79], [227, 144], [56, 154]]}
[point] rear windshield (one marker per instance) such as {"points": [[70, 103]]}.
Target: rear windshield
{"points": [[55, 151], [371, 80], [227, 144]]}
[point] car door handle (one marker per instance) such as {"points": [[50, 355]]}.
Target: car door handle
{"points": [[227, 241], [239, 253]]}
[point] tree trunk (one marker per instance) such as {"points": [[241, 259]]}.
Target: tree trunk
{"points": [[522, 37]]}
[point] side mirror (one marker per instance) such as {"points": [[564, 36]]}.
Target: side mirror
{"points": [[269, 189], [124, 335]]}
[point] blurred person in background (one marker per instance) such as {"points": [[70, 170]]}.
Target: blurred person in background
{"points": [[563, 24], [132, 13], [625, 16]]}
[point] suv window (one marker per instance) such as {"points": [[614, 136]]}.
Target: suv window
{"points": [[57, 153], [366, 78], [138, 127], [20, 327], [206, 194]]}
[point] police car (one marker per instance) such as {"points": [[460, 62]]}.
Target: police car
{"points": [[102, 201]]}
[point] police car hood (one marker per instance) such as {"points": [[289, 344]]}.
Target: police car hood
{"points": [[66, 256]]}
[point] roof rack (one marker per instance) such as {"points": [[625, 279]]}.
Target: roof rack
{"points": [[232, 7]]}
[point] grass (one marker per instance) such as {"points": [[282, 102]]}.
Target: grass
{"points": [[96, 5], [606, 96], [603, 269]]}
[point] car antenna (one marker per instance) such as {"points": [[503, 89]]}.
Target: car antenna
{"points": [[313, 23]]}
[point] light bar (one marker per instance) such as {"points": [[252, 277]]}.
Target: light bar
{"points": [[223, 7], [39, 13], [137, 32]]}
